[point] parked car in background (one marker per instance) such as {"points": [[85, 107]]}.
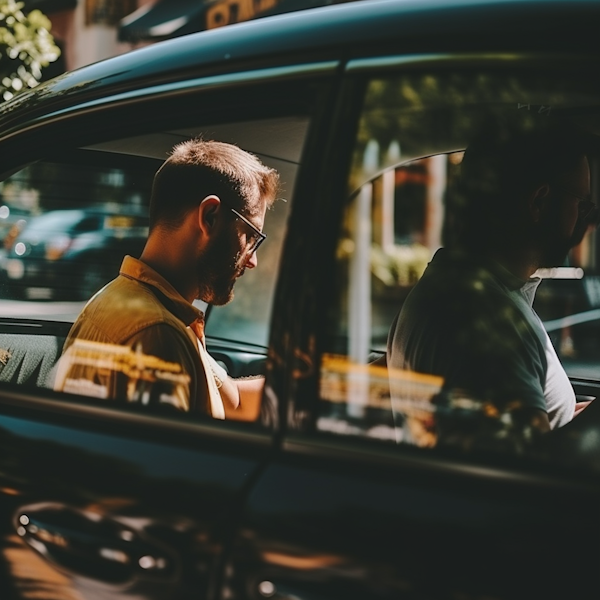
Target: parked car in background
{"points": [[73, 252], [365, 109], [12, 221]]}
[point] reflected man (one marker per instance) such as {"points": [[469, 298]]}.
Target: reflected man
{"points": [[470, 318], [140, 338]]}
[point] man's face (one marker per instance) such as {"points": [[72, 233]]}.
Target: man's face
{"points": [[570, 216], [228, 254]]}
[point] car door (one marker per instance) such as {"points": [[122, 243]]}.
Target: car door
{"points": [[111, 500], [371, 500]]}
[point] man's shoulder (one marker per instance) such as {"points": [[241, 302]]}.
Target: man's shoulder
{"points": [[460, 275], [456, 294], [122, 309]]}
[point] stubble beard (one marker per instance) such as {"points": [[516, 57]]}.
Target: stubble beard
{"points": [[558, 248], [217, 273]]}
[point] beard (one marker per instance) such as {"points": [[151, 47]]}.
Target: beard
{"points": [[557, 246], [556, 254], [217, 272]]}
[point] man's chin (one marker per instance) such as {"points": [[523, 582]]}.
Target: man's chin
{"points": [[217, 298], [222, 297], [579, 235], [222, 300], [556, 254], [552, 262]]}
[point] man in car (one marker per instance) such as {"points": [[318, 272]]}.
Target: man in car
{"points": [[141, 339], [525, 204]]}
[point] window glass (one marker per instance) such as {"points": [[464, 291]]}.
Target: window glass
{"points": [[403, 204], [279, 144], [246, 318], [66, 226]]}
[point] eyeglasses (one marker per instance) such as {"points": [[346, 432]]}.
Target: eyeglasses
{"points": [[580, 198], [257, 237], [587, 207]]}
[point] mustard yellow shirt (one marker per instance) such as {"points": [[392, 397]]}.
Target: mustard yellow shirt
{"points": [[132, 343]]}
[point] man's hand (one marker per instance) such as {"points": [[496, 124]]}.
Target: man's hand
{"points": [[579, 406], [242, 398]]}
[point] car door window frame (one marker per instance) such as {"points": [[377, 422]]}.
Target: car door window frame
{"points": [[314, 78], [301, 437]]}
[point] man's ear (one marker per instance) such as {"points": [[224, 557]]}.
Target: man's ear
{"points": [[208, 211], [538, 201]]}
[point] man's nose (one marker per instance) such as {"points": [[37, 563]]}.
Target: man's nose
{"points": [[252, 261]]}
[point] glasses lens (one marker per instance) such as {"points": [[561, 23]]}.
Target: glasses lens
{"points": [[255, 238], [589, 212], [255, 241]]}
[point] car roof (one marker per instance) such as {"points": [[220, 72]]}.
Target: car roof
{"points": [[340, 32]]}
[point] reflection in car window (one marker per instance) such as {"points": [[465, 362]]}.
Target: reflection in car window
{"points": [[402, 207]]}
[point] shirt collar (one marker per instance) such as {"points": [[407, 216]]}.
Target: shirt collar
{"points": [[499, 271], [178, 305], [511, 281]]}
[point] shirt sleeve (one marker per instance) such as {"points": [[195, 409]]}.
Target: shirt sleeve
{"points": [[220, 374]]}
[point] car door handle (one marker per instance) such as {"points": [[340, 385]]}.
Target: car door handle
{"points": [[87, 544]]}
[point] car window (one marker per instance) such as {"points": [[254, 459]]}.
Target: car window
{"points": [[88, 224], [403, 204], [81, 214]]}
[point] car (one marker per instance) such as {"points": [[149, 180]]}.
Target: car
{"points": [[365, 109], [73, 252], [12, 221]]}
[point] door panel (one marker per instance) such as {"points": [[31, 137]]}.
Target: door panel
{"points": [[120, 511], [106, 500], [353, 527], [351, 509]]}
